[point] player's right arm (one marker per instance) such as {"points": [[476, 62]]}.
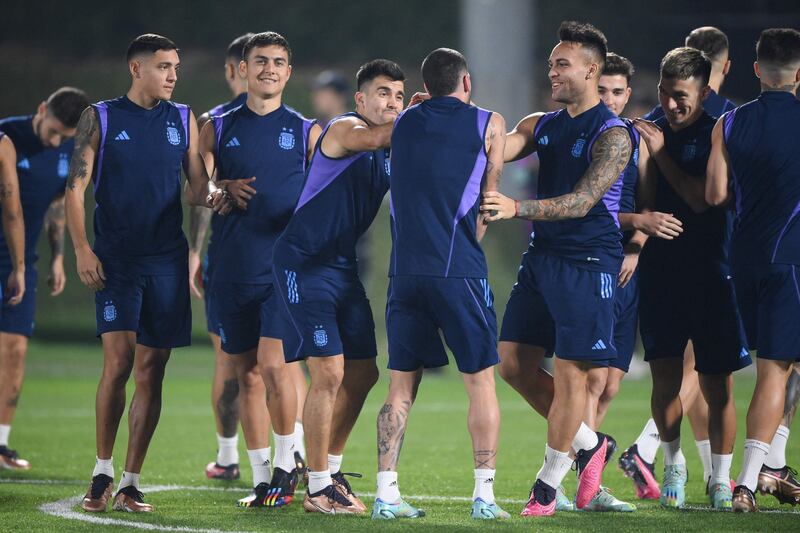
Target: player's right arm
{"points": [[351, 135], [718, 171], [519, 141], [13, 224], [87, 143], [495, 143]]}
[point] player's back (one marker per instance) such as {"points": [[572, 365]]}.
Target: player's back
{"points": [[138, 179], [762, 143], [438, 163], [42, 173]]}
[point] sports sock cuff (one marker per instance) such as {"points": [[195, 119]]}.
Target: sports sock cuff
{"points": [[5, 430], [335, 463], [585, 438], [104, 466]]}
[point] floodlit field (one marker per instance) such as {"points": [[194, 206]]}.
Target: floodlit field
{"points": [[54, 429]]}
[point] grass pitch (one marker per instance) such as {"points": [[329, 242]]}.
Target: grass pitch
{"points": [[54, 429]]}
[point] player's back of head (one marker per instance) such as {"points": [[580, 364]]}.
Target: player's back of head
{"points": [[266, 38], [684, 63], [149, 43], [66, 105], [586, 35], [378, 67], [616, 65], [779, 48], [235, 50], [710, 40], [442, 70]]}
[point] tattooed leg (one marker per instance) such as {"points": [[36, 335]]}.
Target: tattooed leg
{"points": [[13, 349], [484, 417], [792, 396], [393, 417]]}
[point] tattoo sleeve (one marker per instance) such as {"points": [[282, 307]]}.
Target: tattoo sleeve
{"points": [[86, 130], [792, 397], [199, 220], [55, 222], [610, 154], [391, 432]]}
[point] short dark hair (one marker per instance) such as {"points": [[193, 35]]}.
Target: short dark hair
{"points": [[779, 47], [442, 70], [236, 47], [684, 63], [67, 104], [148, 43], [266, 38], [616, 65], [710, 40], [378, 67], [587, 36]]}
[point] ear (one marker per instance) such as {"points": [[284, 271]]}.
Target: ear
{"points": [[230, 71], [425, 87], [726, 68], [42, 109], [243, 68], [593, 70], [135, 68], [359, 99], [288, 72], [467, 82], [706, 92], [757, 69]]}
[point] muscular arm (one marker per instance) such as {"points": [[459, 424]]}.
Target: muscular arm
{"points": [[350, 135], [519, 141], [313, 137], [13, 224], [610, 154], [717, 190], [200, 215], [495, 142], [87, 141], [199, 184], [54, 224]]}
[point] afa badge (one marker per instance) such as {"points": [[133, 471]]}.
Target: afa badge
{"points": [[689, 153], [109, 312], [577, 148], [63, 165], [173, 135], [286, 139], [320, 337]]}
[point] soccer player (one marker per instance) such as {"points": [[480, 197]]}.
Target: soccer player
{"points": [[754, 165], [271, 142], [714, 43], [134, 147], [42, 146], [563, 301], [685, 288], [444, 153], [225, 387], [326, 315]]}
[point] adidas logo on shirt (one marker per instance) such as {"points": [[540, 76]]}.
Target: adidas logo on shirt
{"points": [[233, 142], [24, 163], [599, 345], [122, 136]]}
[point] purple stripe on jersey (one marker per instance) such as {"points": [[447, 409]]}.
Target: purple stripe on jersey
{"points": [[183, 109], [612, 197], [544, 120], [727, 124], [783, 231], [473, 188], [216, 111], [796, 286], [102, 116], [307, 125], [607, 125], [217, 120], [322, 173]]}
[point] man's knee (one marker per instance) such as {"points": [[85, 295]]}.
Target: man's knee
{"points": [[150, 366], [327, 373]]}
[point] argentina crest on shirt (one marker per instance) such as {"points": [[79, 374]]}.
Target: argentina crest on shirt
{"points": [[63, 165], [577, 148], [173, 135], [286, 138], [689, 152]]}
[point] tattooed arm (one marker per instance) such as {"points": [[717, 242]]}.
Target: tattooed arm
{"points": [[87, 143], [495, 143], [54, 223], [610, 154], [13, 224]]}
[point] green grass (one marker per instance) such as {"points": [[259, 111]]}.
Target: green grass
{"points": [[54, 429]]}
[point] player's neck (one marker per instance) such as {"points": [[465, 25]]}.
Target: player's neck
{"points": [[716, 81], [584, 103], [141, 99], [263, 106]]}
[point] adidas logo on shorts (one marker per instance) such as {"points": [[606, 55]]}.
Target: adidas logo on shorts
{"points": [[599, 345]]}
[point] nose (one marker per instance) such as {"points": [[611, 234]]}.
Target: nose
{"points": [[55, 140], [551, 73]]}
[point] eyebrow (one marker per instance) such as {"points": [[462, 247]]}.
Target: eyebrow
{"points": [[389, 89], [275, 58]]}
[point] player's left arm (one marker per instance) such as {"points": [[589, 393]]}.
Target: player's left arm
{"points": [[13, 223], [610, 154], [201, 189], [313, 137], [54, 223], [495, 143], [718, 171]]}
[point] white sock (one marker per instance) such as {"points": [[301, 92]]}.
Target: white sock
{"points": [[227, 450], [5, 430], [318, 480], [555, 467], [648, 442], [754, 453], [299, 439], [776, 458], [388, 491], [585, 438], [260, 463], [104, 466], [335, 463], [704, 449], [484, 485], [128, 479], [672, 452], [721, 468], [284, 452]]}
